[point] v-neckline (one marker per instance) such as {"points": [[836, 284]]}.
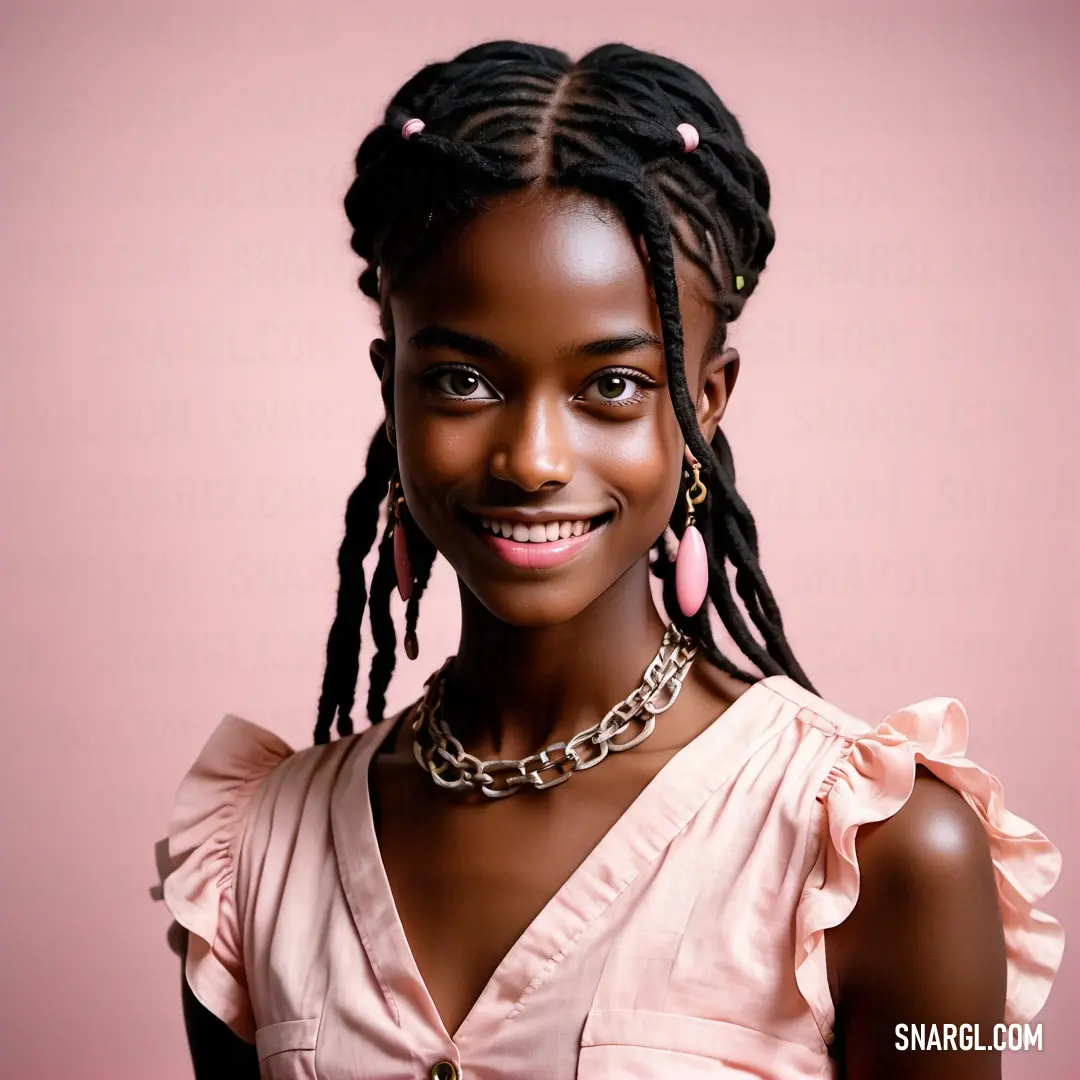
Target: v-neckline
{"points": [[656, 815]]}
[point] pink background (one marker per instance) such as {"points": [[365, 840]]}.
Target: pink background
{"points": [[185, 403]]}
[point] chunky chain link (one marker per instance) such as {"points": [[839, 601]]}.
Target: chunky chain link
{"points": [[439, 753]]}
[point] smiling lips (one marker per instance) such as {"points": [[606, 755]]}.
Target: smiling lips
{"points": [[540, 545]]}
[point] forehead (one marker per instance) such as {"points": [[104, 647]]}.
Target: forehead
{"points": [[539, 266]]}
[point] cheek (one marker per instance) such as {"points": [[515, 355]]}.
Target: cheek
{"points": [[644, 464], [435, 457], [438, 455]]}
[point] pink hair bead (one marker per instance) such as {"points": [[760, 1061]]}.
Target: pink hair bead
{"points": [[413, 126], [690, 137]]}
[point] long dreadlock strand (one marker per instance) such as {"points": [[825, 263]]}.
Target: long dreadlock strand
{"points": [[382, 628], [343, 646]]}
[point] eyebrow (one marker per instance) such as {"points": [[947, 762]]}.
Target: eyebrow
{"points": [[436, 337]]}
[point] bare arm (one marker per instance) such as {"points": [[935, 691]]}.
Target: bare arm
{"points": [[924, 944], [217, 1053]]}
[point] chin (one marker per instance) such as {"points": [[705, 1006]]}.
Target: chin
{"points": [[531, 606]]}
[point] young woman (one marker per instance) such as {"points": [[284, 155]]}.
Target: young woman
{"points": [[597, 847]]}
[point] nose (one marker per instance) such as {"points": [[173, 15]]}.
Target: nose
{"points": [[533, 449]]}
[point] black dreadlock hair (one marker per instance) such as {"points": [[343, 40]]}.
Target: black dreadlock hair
{"points": [[504, 115]]}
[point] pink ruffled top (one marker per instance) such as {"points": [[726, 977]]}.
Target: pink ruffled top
{"points": [[688, 943]]}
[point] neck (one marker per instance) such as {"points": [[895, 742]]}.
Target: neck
{"points": [[513, 690]]}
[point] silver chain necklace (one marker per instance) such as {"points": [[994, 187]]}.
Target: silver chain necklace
{"points": [[441, 755]]}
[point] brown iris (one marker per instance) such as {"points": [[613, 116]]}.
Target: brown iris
{"points": [[611, 386]]}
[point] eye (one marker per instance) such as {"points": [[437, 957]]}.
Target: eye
{"points": [[461, 383], [617, 387]]}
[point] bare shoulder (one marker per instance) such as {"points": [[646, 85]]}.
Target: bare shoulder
{"points": [[925, 942], [934, 846], [928, 862]]}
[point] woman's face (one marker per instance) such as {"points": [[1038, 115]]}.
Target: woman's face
{"points": [[537, 445]]}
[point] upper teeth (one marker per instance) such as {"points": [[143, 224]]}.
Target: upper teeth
{"points": [[535, 534]]}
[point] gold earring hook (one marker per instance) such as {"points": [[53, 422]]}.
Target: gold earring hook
{"points": [[695, 493], [395, 498]]}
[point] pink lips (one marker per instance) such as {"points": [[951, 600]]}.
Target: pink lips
{"points": [[541, 556]]}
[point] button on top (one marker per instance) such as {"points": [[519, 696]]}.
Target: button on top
{"points": [[444, 1070]]}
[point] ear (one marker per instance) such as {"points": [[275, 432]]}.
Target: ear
{"points": [[382, 361], [717, 382]]}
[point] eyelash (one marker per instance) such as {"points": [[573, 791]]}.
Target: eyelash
{"points": [[432, 376], [642, 381]]}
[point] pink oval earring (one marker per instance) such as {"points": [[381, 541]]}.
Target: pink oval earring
{"points": [[691, 560], [402, 566]]}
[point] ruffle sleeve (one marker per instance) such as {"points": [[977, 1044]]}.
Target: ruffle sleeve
{"points": [[197, 876], [872, 779]]}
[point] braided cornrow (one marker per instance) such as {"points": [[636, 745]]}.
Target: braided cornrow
{"points": [[504, 115]]}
